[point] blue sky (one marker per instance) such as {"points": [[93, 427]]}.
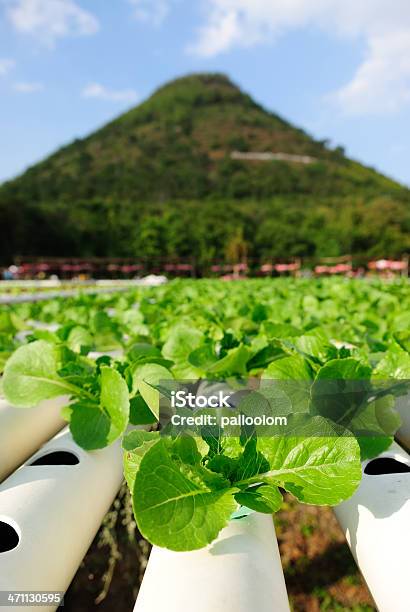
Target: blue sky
{"points": [[338, 68]]}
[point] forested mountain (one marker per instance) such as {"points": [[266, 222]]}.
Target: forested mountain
{"points": [[177, 177]]}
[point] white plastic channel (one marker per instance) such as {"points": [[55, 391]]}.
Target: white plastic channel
{"points": [[241, 571], [45, 296], [56, 510], [24, 430], [376, 522], [101, 286], [115, 354], [403, 407]]}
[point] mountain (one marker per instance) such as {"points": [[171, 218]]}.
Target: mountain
{"points": [[201, 170]]}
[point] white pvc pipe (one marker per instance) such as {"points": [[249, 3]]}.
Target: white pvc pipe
{"points": [[403, 407], [51, 295], [115, 354], [24, 430], [239, 572], [56, 510], [376, 522]]}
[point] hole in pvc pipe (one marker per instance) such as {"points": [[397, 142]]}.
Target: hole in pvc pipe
{"points": [[386, 465], [57, 458], [9, 538]]}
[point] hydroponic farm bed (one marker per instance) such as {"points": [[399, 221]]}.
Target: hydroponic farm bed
{"points": [[326, 362]]}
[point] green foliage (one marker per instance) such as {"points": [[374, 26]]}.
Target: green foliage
{"points": [[145, 379], [319, 465], [30, 375], [182, 503], [179, 505], [159, 180], [335, 350], [261, 498]]}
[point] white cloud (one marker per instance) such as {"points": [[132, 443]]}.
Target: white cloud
{"points": [[26, 87], [382, 80], [150, 11], [51, 19], [6, 64], [96, 90]]}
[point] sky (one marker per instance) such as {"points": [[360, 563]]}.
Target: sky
{"points": [[340, 69]]}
